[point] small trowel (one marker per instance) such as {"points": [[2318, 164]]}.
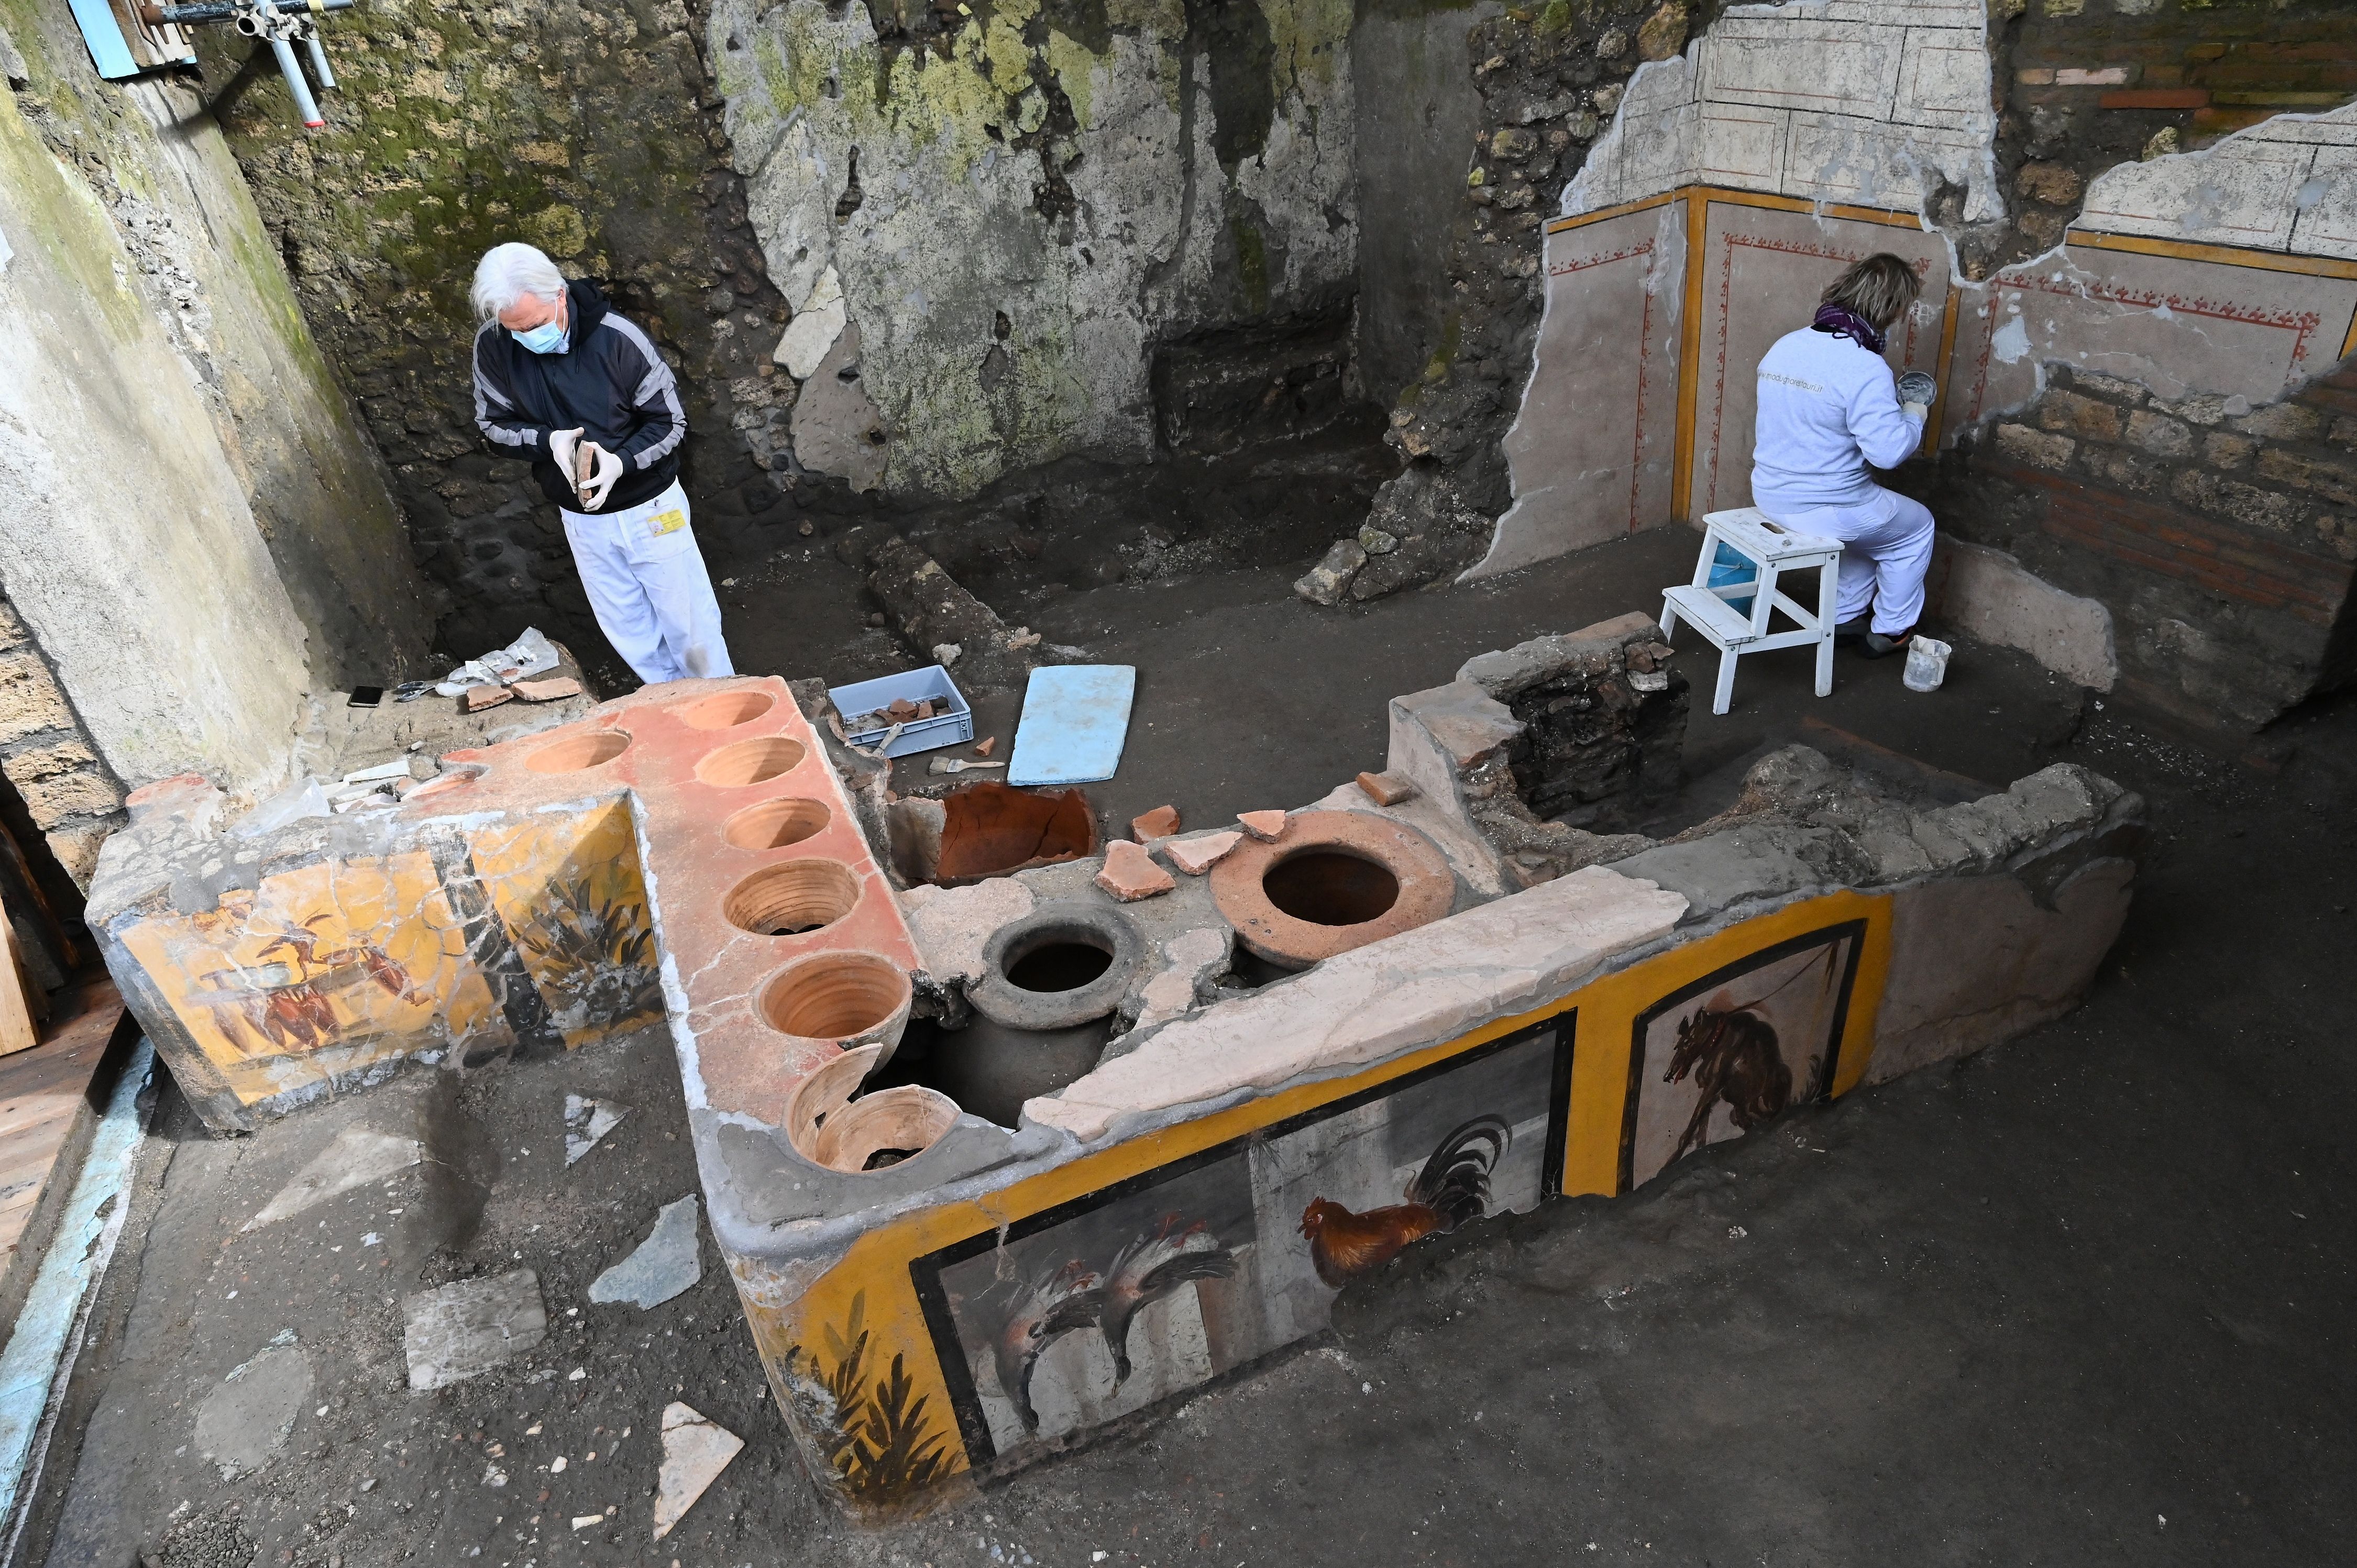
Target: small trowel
{"points": [[957, 765]]}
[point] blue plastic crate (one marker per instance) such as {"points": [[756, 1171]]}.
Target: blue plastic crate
{"points": [[1729, 567], [931, 684]]}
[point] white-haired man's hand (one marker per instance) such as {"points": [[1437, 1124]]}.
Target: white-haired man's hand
{"points": [[563, 448], [606, 470]]}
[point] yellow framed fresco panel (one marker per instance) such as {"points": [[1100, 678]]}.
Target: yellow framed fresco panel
{"points": [[856, 1350]]}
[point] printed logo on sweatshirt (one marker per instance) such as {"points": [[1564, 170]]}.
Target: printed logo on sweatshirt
{"points": [[1791, 382]]}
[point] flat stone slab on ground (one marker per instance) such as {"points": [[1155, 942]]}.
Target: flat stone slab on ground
{"points": [[454, 1333], [247, 1418], [586, 1122], [695, 1450], [358, 1157], [667, 1263]]}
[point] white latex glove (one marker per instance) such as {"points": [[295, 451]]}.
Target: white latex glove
{"points": [[1916, 391], [606, 468], [561, 447]]}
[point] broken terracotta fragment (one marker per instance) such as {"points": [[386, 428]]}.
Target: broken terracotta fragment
{"points": [[1267, 826], [1158, 823], [1197, 856], [475, 699], [1130, 872], [1386, 789], [550, 691]]}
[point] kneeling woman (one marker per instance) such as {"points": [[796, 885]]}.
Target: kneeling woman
{"points": [[1828, 410]]}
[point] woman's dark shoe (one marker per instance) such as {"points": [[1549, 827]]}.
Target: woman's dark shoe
{"points": [[1851, 631], [1879, 645]]}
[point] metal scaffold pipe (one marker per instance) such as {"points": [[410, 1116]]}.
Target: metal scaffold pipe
{"points": [[320, 64], [305, 104], [281, 21], [226, 10]]}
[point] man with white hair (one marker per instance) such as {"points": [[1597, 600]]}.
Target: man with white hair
{"points": [[563, 380]]}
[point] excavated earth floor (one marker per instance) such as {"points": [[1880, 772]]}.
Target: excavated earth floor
{"points": [[2083, 1299]]}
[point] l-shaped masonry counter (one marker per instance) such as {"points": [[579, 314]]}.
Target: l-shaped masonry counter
{"points": [[935, 1294]]}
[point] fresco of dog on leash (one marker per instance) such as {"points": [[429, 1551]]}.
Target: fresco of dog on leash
{"points": [[1736, 1048], [1085, 1313]]}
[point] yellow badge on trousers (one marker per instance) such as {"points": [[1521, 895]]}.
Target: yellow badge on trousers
{"points": [[664, 522]]}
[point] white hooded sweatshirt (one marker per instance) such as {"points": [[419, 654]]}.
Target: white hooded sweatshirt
{"points": [[1827, 409]]}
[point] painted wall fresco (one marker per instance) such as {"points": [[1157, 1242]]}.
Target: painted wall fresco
{"points": [[569, 892], [1737, 1048], [320, 971], [532, 933], [1098, 1307], [983, 1334]]}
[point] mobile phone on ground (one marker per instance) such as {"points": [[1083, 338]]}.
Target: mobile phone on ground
{"points": [[365, 697]]}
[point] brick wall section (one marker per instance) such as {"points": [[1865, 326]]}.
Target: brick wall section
{"points": [[2084, 84], [2224, 537], [72, 797]]}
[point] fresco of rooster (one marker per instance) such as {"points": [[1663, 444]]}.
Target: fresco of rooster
{"points": [[1056, 1304], [1150, 1268], [1452, 1188]]}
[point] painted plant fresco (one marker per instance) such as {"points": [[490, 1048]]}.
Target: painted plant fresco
{"points": [[872, 1429], [569, 891], [1155, 1285], [1736, 1048]]}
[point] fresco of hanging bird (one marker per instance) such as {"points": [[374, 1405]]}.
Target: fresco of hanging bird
{"points": [[1150, 1268], [1452, 1190], [1056, 1304]]}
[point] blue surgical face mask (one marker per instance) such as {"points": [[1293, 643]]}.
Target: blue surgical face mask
{"points": [[548, 337]]}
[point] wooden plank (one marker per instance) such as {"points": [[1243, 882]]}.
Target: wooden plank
{"points": [[19, 1030], [45, 1119]]}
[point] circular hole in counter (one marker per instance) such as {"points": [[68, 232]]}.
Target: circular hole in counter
{"points": [[792, 899], [575, 752], [878, 1131], [727, 710], [750, 761], [1330, 887], [774, 824], [1058, 966], [835, 996]]}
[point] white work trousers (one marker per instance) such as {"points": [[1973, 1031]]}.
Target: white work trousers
{"points": [[1885, 551], [648, 588]]}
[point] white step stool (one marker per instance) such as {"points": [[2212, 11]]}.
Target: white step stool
{"points": [[1773, 549]]}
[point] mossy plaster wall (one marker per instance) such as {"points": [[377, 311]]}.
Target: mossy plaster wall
{"points": [[1042, 194], [190, 525]]}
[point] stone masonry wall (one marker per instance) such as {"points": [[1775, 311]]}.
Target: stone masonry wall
{"points": [[72, 797], [318, 492], [589, 131], [2222, 536], [1550, 77], [991, 219], [194, 531], [1019, 202]]}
